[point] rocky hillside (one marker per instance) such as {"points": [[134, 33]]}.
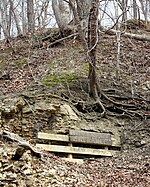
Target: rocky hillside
{"points": [[46, 90], [126, 169]]}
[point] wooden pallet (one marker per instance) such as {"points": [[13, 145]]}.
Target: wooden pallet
{"points": [[78, 143]]}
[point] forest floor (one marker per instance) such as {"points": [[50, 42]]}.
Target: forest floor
{"points": [[63, 70]]}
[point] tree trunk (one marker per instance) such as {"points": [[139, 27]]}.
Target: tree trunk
{"points": [[92, 43], [30, 15], [23, 17], [6, 18], [83, 8], [124, 10], [135, 10], [62, 15], [144, 8], [15, 17]]}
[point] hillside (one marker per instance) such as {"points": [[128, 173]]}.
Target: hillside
{"points": [[34, 78]]}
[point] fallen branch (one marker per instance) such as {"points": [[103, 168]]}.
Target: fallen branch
{"points": [[62, 39], [141, 37], [23, 145], [56, 41]]}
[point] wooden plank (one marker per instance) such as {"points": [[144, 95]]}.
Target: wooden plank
{"points": [[70, 155], [55, 137], [77, 136], [90, 140], [75, 150], [89, 134], [81, 139]]}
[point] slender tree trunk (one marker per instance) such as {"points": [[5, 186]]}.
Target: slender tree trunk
{"points": [[9, 20], [5, 16], [124, 10], [45, 13], [30, 15], [144, 8], [135, 10], [15, 17], [92, 44], [23, 17]]}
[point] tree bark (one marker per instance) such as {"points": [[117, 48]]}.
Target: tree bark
{"points": [[30, 15], [124, 10], [15, 17], [61, 12], [92, 44], [83, 8], [144, 8], [23, 17], [6, 18], [135, 10]]}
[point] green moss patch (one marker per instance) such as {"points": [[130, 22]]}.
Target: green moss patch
{"points": [[64, 77], [85, 67]]}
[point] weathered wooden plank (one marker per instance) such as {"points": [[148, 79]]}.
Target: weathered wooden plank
{"points": [[90, 140], [75, 150], [81, 139], [89, 134], [76, 136], [55, 137]]}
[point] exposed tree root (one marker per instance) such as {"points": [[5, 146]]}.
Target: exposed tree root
{"points": [[100, 107], [103, 108], [103, 105]]}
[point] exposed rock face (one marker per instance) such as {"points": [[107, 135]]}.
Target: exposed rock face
{"points": [[11, 113], [52, 171], [67, 111], [27, 117]]}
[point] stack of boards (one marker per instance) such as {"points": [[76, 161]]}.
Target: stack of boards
{"points": [[79, 144]]}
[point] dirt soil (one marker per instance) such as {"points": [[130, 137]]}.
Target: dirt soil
{"points": [[62, 71]]}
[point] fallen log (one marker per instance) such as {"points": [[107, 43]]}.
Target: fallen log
{"points": [[141, 37]]}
